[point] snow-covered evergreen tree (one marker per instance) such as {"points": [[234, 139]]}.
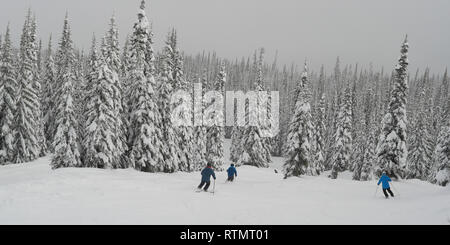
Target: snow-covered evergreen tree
{"points": [[145, 136], [440, 101], [365, 143], [169, 149], [236, 148], [298, 145], [421, 146], [79, 83], [319, 138], [442, 153], [126, 61], [26, 119], [216, 132], [111, 54], [49, 95], [8, 86], [343, 138], [65, 140], [126, 89], [332, 119], [256, 146], [445, 87], [91, 77], [369, 158], [184, 133], [391, 150], [99, 142], [38, 113], [200, 148], [39, 57], [357, 157]]}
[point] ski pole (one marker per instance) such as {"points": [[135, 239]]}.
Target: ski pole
{"points": [[375, 194], [395, 189], [214, 186]]}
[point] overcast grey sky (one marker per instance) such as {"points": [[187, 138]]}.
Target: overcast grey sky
{"points": [[360, 31]]}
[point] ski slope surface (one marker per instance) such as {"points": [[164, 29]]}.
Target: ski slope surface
{"points": [[32, 193]]}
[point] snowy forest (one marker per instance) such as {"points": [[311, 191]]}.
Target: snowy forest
{"points": [[110, 108]]}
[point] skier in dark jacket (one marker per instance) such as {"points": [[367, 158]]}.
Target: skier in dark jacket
{"points": [[384, 180], [232, 172], [206, 177]]}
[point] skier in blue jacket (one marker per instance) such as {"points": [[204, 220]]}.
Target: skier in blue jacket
{"points": [[206, 177], [384, 180], [232, 172]]}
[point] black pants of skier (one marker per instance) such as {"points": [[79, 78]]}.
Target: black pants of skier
{"points": [[206, 186], [385, 191], [230, 178]]}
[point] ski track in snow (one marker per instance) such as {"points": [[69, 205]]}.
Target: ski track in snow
{"points": [[32, 193]]}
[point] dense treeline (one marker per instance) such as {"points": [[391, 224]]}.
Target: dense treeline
{"points": [[111, 108]]}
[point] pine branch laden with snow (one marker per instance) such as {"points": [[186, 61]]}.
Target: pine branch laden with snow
{"points": [[391, 150], [298, 147]]}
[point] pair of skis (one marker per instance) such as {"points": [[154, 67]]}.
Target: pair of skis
{"points": [[214, 187], [393, 197], [202, 190]]}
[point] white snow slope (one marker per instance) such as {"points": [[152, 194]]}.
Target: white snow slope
{"points": [[34, 194]]}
